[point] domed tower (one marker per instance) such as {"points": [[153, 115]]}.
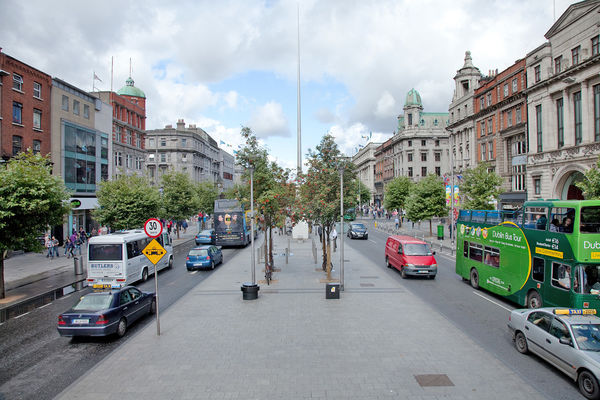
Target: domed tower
{"points": [[412, 108], [135, 95]]}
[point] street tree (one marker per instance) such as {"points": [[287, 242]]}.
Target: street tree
{"points": [[179, 197], [480, 187], [126, 202], [362, 191], [590, 184], [31, 200], [206, 193], [396, 194], [427, 199]]}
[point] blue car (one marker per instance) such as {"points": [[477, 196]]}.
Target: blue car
{"points": [[207, 236], [106, 313], [204, 257]]}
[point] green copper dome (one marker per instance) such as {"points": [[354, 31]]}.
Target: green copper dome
{"points": [[413, 98], [130, 90]]}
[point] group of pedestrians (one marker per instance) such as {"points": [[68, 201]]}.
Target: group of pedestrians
{"points": [[72, 244]]}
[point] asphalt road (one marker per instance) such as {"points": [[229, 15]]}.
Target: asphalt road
{"points": [[481, 315], [36, 363]]}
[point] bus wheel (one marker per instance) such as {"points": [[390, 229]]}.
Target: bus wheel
{"points": [[588, 385], [145, 275], [170, 262], [534, 300], [474, 278]]}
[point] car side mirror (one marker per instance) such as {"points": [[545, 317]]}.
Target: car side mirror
{"points": [[433, 252], [566, 341], [399, 251]]}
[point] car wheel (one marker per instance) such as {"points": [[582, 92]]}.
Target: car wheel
{"points": [[534, 300], [521, 343], [474, 278], [152, 307], [145, 275], [221, 262], [122, 327], [403, 273], [431, 277], [387, 262], [170, 263], [366, 237], [212, 265], [588, 385]]}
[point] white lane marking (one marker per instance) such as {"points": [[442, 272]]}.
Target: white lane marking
{"points": [[45, 305], [194, 272], [372, 241], [22, 315], [492, 301]]}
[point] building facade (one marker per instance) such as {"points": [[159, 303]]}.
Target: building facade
{"points": [[563, 102], [501, 130], [364, 161], [24, 108]]}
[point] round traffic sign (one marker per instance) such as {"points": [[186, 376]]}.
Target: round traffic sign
{"points": [[153, 227]]}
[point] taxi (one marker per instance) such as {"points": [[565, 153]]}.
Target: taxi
{"points": [[567, 338]]}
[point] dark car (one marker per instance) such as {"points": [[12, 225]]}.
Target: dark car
{"points": [[106, 313], [357, 231], [204, 257], [207, 236]]}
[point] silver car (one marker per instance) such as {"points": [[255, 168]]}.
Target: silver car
{"points": [[569, 339]]}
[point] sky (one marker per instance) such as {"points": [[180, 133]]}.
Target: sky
{"points": [[226, 64]]}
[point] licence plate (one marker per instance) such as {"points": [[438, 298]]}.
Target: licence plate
{"points": [[102, 286], [81, 321], [423, 272]]}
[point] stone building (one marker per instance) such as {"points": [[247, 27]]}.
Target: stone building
{"points": [[364, 161], [563, 102]]}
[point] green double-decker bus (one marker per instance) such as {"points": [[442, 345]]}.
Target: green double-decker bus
{"points": [[544, 254]]}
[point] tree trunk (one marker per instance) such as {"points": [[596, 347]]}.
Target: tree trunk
{"points": [[2, 289], [271, 247], [324, 246], [430, 231], [329, 260], [266, 244]]}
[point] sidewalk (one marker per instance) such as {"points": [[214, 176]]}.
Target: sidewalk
{"points": [[376, 342], [29, 275]]}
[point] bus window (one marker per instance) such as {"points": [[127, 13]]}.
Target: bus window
{"points": [[561, 219], [465, 249], [535, 218], [477, 216], [514, 216], [475, 252], [492, 256], [105, 252], [590, 220], [538, 269], [590, 276], [493, 217], [561, 275]]}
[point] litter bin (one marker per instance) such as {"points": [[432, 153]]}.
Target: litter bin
{"points": [[250, 291], [332, 291], [440, 232], [78, 270]]}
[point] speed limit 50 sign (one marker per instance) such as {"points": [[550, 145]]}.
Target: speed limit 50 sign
{"points": [[153, 227]]}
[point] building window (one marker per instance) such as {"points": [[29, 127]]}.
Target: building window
{"points": [[560, 122], [118, 159], [18, 82], [518, 178], [128, 137], [65, 103], [163, 142], [537, 186], [423, 156], [490, 125], [482, 126], [489, 99], [438, 156], [129, 161], [410, 157], [481, 103], [575, 55], [538, 123], [151, 143], [75, 107], [509, 118], [17, 145], [514, 85], [423, 171], [595, 50], [410, 143], [506, 90], [538, 73], [37, 90], [183, 142], [438, 171], [163, 157], [17, 112], [410, 172], [37, 119], [86, 111], [138, 163], [119, 134], [557, 62], [423, 143], [409, 119], [482, 151], [138, 140], [518, 115], [577, 115], [37, 146], [597, 113], [491, 151]]}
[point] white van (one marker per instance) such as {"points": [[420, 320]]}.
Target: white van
{"points": [[116, 260]]}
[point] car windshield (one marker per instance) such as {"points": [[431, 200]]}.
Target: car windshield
{"points": [[94, 302], [198, 252], [205, 233], [417, 249], [358, 226], [587, 336]]}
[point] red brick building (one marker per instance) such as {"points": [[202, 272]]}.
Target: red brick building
{"points": [[24, 108]]}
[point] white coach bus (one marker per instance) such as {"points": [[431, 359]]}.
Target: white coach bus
{"points": [[116, 259]]}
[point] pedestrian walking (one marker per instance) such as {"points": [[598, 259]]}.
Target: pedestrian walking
{"points": [[333, 236], [397, 221], [82, 234], [48, 243], [69, 248], [55, 246]]}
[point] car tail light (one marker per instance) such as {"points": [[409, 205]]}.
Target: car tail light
{"points": [[61, 321], [208, 258], [187, 258], [102, 320], [91, 280], [121, 280], [508, 317]]}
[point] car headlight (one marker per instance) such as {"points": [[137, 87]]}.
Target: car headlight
{"points": [[433, 265], [410, 265]]}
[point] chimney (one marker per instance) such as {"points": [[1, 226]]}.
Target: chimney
{"points": [[180, 125]]}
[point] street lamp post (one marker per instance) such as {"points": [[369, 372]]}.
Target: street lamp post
{"points": [[250, 289], [341, 170]]}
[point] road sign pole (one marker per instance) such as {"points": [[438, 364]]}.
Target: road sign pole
{"points": [[156, 291]]}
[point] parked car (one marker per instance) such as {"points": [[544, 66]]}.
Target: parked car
{"points": [[204, 257], [566, 338], [207, 236], [410, 256], [106, 313], [357, 231]]}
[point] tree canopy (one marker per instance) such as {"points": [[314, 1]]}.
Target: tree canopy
{"points": [[397, 192], [427, 199], [480, 187], [590, 184]]}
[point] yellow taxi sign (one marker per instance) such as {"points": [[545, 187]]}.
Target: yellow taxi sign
{"points": [[574, 311], [154, 251]]}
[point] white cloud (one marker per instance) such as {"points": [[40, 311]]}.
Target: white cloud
{"points": [[386, 106], [269, 120]]}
